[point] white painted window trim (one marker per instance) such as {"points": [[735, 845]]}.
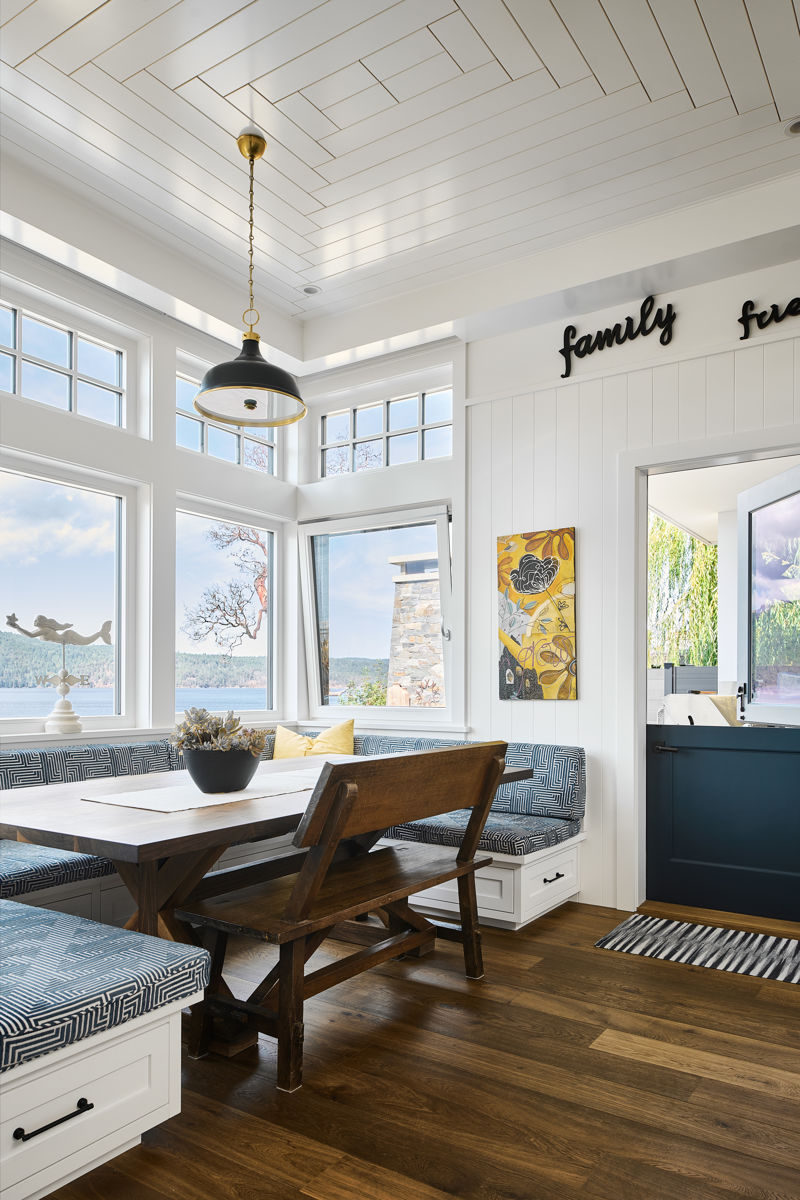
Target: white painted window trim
{"points": [[444, 719]]}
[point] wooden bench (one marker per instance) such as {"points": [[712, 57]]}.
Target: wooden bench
{"points": [[342, 877]]}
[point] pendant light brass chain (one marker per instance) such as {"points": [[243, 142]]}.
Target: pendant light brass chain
{"points": [[252, 164]]}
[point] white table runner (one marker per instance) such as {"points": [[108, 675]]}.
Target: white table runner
{"points": [[184, 796]]}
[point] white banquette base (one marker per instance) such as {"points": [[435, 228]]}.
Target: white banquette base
{"points": [[515, 888], [131, 1074]]}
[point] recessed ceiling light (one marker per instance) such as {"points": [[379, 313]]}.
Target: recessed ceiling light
{"points": [[792, 127], [311, 290]]}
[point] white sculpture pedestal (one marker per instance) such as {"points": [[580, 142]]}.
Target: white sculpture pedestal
{"points": [[63, 718]]}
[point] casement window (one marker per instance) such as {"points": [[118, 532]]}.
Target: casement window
{"points": [[254, 448], [56, 365], [65, 560], [386, 433], [377, 616], [225, 614]]}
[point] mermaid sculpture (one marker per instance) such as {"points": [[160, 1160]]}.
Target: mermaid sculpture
{"points": [[63, 718]]}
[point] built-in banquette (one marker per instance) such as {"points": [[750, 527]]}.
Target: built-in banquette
{"points": [[90, 1042], [533, 831]]}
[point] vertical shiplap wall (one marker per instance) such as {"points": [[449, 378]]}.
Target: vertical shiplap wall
{"points": [[549, 458]]}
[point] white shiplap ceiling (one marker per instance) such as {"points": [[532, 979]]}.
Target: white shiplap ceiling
{"points": [[410, 142]]}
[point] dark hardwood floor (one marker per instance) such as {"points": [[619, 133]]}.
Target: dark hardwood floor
{"points": [[569, 1072]]}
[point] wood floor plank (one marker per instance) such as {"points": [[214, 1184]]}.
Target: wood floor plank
{"points": [[701, 1063], [725, 920], [570, 1073]]}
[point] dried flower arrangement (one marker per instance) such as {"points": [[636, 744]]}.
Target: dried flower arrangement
{"points": [[202, 730]]}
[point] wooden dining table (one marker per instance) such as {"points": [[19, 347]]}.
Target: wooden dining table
{"points": [[163, 857]]}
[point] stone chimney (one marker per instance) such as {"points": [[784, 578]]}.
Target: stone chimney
{"points": [[416, 669]]}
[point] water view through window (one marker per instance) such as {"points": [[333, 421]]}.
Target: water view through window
{"points": [[223, 615], [59, 589]]}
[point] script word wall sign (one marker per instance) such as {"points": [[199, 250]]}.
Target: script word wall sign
{"points": [[766, 316], [649, 319]]}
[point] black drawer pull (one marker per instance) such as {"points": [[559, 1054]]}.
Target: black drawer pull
{"points": [[558, 875], [83, 1106], [663, 748]]}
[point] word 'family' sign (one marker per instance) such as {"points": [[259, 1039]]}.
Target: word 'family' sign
{"points": [[649, 319]]}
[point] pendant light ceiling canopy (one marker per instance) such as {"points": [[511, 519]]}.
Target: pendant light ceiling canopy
{"points": [[248, 390]]}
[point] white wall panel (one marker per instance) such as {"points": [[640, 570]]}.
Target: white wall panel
{"points": [[550, 456]]}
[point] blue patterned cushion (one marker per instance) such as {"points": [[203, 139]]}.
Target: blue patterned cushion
{"points": [[26, 868], [63, 978], [141, 758], [378, 743], [73, 764], [504, 833], [558, 785]]}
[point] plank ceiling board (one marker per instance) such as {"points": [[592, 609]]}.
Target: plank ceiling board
{"points": [[208, 138], [110, 23], [10, 8], [38, 24], [421, 78], [366, 139], [237, 39], [549, 37], [174, 28], [365, 38], [501, 33], [312, 27], [461, 41], [495, 183], [597, 42], [372, 100], [732, 35], [429, 141], [689, 45], [306, 115], [775, 25], [644, 44], [399, 56], [441, 162], [284, 137], [339, 86]]}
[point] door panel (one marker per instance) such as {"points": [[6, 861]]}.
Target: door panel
{"points": [[723, 818]]}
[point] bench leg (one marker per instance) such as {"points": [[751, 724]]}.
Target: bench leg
{"points": [[470, 932], [290, 1015], [200, 1026]]}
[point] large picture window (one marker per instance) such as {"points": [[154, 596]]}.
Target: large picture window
{"points": [[224, 618], [380, 613], [60, 593]]}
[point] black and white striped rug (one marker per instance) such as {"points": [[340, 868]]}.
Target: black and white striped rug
{"points": [[707, 946]]}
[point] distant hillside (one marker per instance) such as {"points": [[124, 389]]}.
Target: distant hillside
{"points": [[366, 670], [23, 659]]}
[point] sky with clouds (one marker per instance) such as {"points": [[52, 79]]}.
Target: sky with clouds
{"points": [[57, 553], [775, 532]]}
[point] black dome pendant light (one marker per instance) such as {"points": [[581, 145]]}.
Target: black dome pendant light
{"points": [[248, 390]]}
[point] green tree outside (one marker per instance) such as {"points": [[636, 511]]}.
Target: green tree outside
{"points": [[681, 597]]}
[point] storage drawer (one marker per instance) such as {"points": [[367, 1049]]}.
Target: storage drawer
{"points": [[550, 882], [494, 889], [125, 1080]]}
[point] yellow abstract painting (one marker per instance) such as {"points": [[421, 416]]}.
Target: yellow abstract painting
{"points": [[536, 615]]}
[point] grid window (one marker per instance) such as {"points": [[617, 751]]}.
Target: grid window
{"points": [[59, 367], [253, 447], [402, 429]]}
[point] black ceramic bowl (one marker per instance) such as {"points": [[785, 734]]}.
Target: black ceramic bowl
{"points": [[220, 770]]}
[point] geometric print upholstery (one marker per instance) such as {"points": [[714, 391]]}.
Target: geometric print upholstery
{"points": [[63, 978], [504, 833], [557, 787], [25, 868], [74, 764]]}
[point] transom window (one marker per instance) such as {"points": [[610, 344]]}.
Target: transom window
{"points": [[386, 433], [58, 366], [254, 447]]}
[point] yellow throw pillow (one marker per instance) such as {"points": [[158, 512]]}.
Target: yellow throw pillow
{"points": [[336, 740]]}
